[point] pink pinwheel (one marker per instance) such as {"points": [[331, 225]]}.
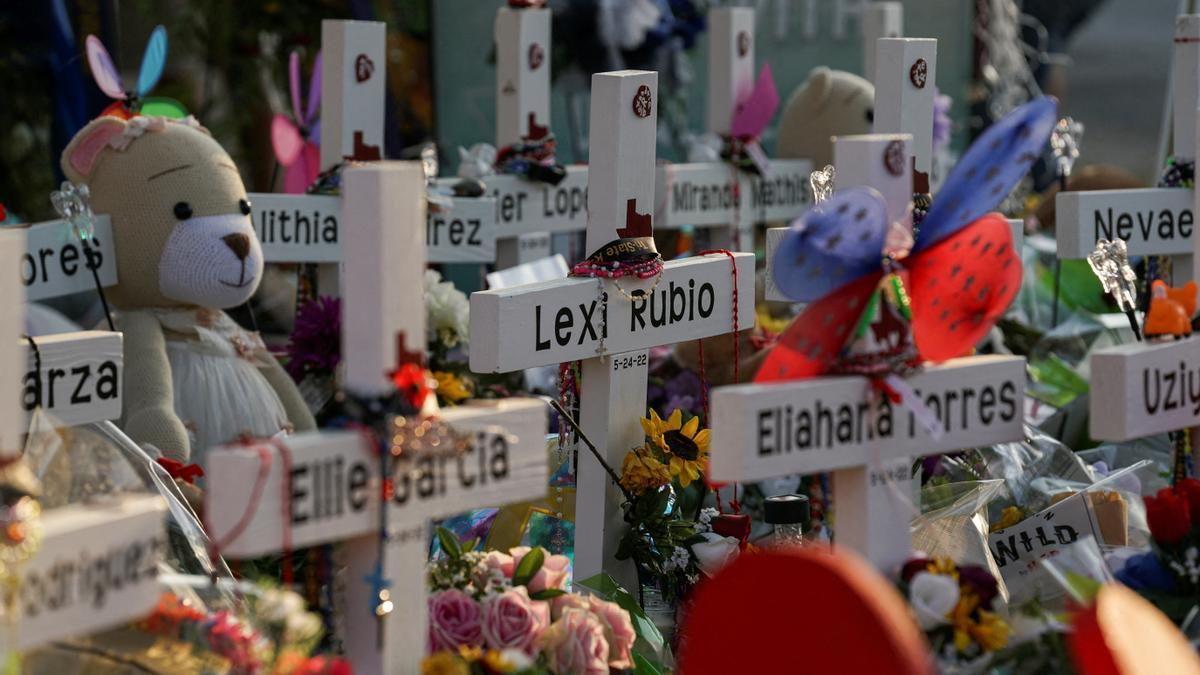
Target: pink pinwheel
{"points": [[297, 139]]}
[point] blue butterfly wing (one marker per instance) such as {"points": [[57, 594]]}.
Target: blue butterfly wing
{"points": [[831, 245], [153, 61], [989, 170]]}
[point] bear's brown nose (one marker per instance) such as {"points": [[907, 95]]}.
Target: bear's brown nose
{"points": [[238, 243]]}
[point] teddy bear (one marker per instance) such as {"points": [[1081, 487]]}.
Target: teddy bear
{"points": [[186, 250], [829, 103]]}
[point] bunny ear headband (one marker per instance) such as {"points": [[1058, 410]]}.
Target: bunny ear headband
{"points": [[131, 102]]}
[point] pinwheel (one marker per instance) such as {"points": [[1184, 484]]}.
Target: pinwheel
{"points": [[296, 139], [956, 275], [130, 102]]}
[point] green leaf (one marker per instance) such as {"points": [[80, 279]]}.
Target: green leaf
{"points": [[1084, 587], [449, 543], [547, 594], [643, 666], [529, 566], [470, 544]]}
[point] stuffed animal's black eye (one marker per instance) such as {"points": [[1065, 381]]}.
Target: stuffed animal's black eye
{"points": [[244, 206], [871, 115], [183, 210]]}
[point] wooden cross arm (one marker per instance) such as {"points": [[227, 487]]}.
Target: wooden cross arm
{"points": [[552, 322]]}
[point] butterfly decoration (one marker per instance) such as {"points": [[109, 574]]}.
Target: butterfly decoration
{"points": [[130, 102], [750, 118], [297, 139], [957, 274]]}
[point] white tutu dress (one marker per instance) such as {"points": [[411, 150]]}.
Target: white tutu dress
{"points": [[220, 395]]}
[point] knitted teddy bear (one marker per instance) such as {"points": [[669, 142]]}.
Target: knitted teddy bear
{"points": [[829, 103], [185, 251]]}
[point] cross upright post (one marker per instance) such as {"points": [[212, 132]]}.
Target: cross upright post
{"points": [[608, 324]]}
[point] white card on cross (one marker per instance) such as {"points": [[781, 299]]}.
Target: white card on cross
{"points": [[305, 228], [55, 262], [81, 376], [97, 568], [1143, 389], [573, 319], [828, 423]]}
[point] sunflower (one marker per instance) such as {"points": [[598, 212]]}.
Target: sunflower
{"points": [[687, 448], [655, 427], [641, 471]]}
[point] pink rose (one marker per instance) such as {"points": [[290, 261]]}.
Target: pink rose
{"points": [[618, 631], [495, 560], [569, 601], [453, 620], [553, 573], [575, 644], [512, 620]]}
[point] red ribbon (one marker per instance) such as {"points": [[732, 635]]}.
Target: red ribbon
{"points": [[187, 473]]}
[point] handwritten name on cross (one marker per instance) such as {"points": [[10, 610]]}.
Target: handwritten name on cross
{"points": [[590, 319], [714, 194], [332, 479]]}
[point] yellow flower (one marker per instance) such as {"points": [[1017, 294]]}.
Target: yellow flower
{"points": [[943, 566], [688, 450], [494, 662], [655, 427], [470, 654], [1009, 517], [641, 472], [991, 632], [444, 663], [961, 619], [452, 387]]}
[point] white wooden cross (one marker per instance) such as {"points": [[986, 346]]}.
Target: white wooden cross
{"points": [[334, 485], [97, 564], [879, 20], [81, 374], [1141, 389], [609, 325], [307, 228], [830, 423], [713, 194], [523, 51], [1153, 221], [901, 107], [527, 212]]}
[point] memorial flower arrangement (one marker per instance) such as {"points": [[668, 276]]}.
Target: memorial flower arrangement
{"points": [[953, 604], [661, 479], [277, 637], [494, 612]]}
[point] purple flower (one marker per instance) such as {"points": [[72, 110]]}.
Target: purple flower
{"points": [[979, 580], [315, 344], [941, 119]]}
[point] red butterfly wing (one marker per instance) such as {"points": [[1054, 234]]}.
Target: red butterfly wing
{"points": [[961, 286], [815, 338]]}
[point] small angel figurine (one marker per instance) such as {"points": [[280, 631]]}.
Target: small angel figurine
{"points": [[1110, 263]]}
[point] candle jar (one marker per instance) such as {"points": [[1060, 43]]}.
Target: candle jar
{"points": [[789, 514]]}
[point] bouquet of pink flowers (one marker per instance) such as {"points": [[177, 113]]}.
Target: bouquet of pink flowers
{"points": [[493, 612]]}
